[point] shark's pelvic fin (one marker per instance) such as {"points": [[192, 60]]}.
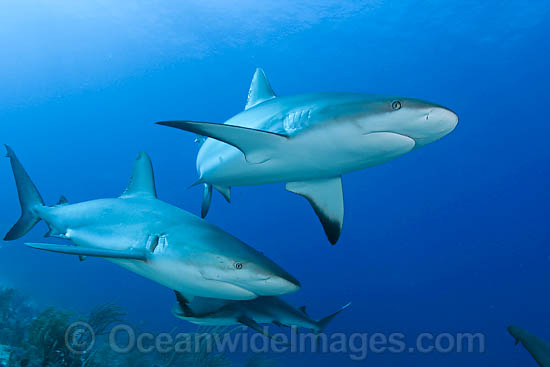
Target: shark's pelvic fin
{"points": [[327, 199], [86, 251], [29, 199], [225, 191], [260, 90], [206, 199], [255, 144], [142, 181], [52, 232]]}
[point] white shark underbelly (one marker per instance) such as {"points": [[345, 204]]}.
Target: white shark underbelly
{"points": [[313, 156]]}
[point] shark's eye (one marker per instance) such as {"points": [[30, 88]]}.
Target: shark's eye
{"points": [[395, 105], [238, 265]]}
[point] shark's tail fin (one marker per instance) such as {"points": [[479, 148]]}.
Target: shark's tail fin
{"points": [[29, 199], [323, 323]]}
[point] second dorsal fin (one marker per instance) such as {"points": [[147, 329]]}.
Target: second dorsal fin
{"points": [[142, 181], [260, 90]]}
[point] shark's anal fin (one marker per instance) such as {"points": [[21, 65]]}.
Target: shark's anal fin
{"points": [[256, 145], [260, 90], [327, 199], [86, 251]]}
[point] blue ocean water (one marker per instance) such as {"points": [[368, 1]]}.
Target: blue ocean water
{"points": [[450, 238]]}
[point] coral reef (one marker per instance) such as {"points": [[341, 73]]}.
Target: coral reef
{"points": [[30, 337]]}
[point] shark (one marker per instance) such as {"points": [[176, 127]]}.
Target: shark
{"points": [[309, 141], [538, 348], [151, 238], [251, 313]]}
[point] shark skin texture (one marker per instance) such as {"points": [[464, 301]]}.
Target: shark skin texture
{"points": [[152, 238], [309, 141], [252, 313], [537, 347]]}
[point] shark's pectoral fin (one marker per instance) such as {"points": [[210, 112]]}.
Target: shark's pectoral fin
{"points": [[327, 199], [86, 251], [247, 321], [183, 303], [256, 145]]}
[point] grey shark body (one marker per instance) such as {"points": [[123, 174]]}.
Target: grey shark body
{"points": [[152, 238], [537, 347], [252, 313], [309, 141]]}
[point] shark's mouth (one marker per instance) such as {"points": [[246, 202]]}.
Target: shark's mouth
{"points": [[233, 289]]}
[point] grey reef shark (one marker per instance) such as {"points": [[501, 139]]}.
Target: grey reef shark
{"points": [[251, 313], [309, 141], [152, 238], [538, 348]]}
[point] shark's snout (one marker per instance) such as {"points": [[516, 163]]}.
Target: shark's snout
{"points": [[447, 119], [433, 123]]}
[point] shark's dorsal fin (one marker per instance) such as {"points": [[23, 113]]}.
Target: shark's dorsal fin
{"points": [[327, 199], [142, 181], [303, 309], [62, 201], [260, 90]]}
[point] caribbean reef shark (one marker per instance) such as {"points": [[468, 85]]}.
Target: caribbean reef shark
{"points": [[152, 238], [252, 313], [538, 348], [309, 141]]}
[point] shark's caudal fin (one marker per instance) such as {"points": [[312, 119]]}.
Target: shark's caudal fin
{"points": [[323, 323], [256, 145], [29, 199], [260, 90], [327, 199], [142, 181]]}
